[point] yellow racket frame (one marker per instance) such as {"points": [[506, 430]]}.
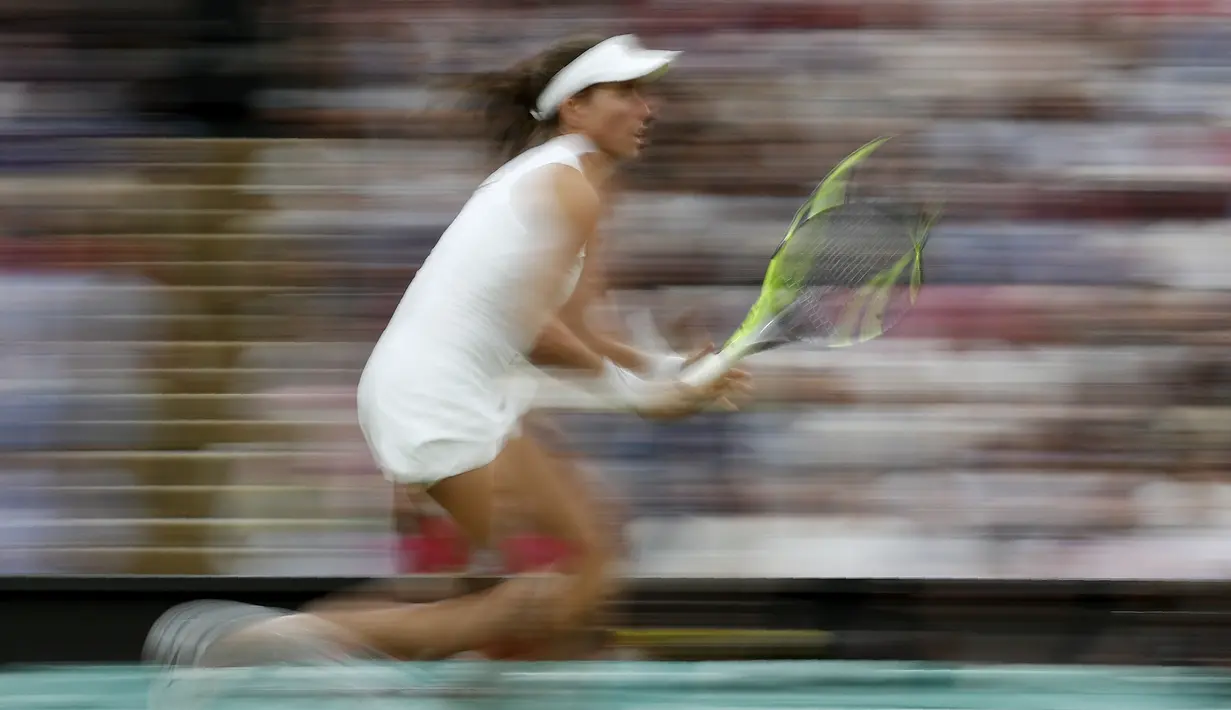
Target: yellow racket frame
{"points": [[872, 299]]}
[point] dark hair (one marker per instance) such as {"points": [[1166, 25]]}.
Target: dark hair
{"points": [[507, 98]]}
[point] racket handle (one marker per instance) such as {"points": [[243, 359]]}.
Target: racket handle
{"points": [[709, 369]]}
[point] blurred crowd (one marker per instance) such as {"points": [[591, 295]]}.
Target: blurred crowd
{"points": [[209, 209]]}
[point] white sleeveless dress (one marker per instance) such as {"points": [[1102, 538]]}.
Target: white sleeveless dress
{"points": [[440, 394]]}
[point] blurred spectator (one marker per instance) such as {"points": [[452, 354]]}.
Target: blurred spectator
{"points": [[209, 209]]}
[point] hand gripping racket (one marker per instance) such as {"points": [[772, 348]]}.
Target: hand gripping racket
{"points": [[846, 272]]}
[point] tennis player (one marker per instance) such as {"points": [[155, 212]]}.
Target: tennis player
{"points": [[442, 398]]}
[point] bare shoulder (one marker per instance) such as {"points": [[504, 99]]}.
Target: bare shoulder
{"points": [[575, 194]]}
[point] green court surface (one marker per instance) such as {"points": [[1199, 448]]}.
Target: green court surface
{"points": [[622, 686]]}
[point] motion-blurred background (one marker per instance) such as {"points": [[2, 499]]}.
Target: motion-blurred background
{"points": [[208, 209]]}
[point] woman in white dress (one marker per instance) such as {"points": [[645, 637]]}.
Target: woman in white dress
{"points": [[441, 402]]}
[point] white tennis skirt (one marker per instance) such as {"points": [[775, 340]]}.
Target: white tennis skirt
{"points": [[419, 438]]}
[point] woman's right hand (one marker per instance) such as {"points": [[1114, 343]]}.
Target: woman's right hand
{"points": [[684, 400], [673, 399]]}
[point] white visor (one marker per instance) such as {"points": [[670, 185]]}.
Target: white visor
{"points": [[611, 61]]}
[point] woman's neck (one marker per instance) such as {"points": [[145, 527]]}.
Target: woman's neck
{"points": [[598, 165]]}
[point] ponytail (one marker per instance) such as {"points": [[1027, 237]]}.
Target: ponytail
{"points": [[506, 98]]}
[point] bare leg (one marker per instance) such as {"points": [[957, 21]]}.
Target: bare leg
{"points": [[444, 628], [537, 483], [439, 629], [543, 486], [549, 490]]}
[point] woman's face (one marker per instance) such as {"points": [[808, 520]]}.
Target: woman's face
{"points": [[615, 116]]}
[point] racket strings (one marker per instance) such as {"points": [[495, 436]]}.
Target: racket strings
{"points": [[839, 267]]}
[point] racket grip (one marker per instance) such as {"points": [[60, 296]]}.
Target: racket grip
{"points": [[709, 369]]}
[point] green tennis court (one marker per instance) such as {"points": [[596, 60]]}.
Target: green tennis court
{"points": [[638, 686]]}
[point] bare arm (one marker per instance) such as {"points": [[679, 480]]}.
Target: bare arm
{"points": [[582, 348], [559, 346], [574, 315], [577, 207], [568, 340], [605, 343], [563, 332]]}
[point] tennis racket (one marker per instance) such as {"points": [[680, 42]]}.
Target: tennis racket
{"points": [[845, 273]]}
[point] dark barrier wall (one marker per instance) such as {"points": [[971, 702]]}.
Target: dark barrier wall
{"points": [[104, 619]]}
